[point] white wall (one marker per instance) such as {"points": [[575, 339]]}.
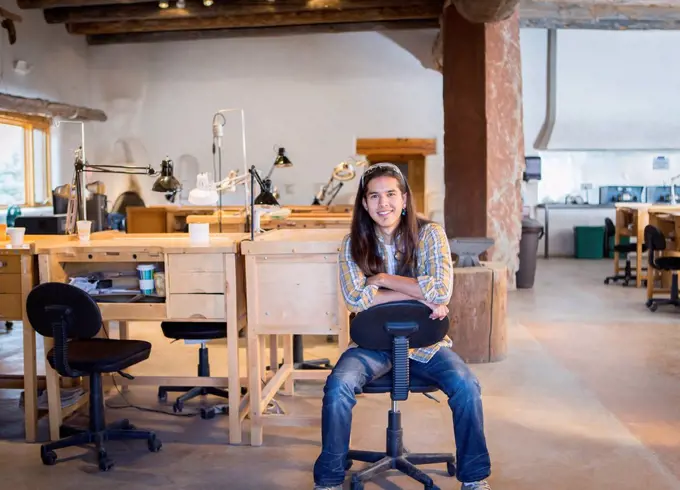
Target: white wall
{"points": [[59, 72], [312, 94], [610, 83]]}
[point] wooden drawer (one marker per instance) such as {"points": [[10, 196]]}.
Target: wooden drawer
{"points": [[10, 264], [193, 282], [10, 283], [195, 263], [196, 306], [10, 307]]}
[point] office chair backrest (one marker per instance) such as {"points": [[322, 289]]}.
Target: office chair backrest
{"points": [[368, 327], [63, 312], [655, 241], [609, 228]]}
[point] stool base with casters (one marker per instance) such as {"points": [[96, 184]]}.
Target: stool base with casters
{"points": [[396, 456], [199, 332]]}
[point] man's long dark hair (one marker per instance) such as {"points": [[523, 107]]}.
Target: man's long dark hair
{"points": [[364, 238]]}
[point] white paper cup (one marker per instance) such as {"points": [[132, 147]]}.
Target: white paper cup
{"points": [[199, 233], [16, 236], [84, 230]]}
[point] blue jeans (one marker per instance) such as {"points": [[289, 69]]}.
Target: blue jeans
{"points": [[357, 367]]}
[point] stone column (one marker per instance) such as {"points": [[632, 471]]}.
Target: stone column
{"points": [[483, 133]]}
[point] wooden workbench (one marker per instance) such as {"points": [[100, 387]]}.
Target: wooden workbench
{"points": [[202, 283], [293, 287], [301, 217]]}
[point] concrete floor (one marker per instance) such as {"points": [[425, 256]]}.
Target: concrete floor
{"points": [[588, 398]]}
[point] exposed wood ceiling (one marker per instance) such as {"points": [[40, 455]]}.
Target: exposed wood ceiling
{"points": [[126, 21]]}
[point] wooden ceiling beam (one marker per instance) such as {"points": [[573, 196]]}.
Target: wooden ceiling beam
{"points": [[412, 12], [192, 35], [195, 8], [48, 109], [600, 14]]}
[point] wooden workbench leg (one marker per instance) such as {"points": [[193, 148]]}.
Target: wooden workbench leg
{"points": [[53, 394], [638, 264], [30, 383], [30, 363], [123, 334], [255, 387], [234, 372], [289, 385], [273, 353]]}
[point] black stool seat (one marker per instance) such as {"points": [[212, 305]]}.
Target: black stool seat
{"points": [[628, 248], [194, 330], [667, 263], [104, 355], [383, 384]]}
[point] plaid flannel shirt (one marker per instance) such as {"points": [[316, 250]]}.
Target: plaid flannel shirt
{"points": [[434, 275]]}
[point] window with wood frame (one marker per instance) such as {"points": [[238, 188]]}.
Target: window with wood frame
{"points": [[24, 160]]}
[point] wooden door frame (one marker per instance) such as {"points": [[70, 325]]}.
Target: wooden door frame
{"points": [[396, 149]]}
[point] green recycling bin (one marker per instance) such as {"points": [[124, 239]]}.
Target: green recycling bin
{"points": [[588, 242]]}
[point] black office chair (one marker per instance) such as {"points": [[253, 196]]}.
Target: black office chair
{"points": [[72, 318], [397, 327], [195, 331], [656, 242], [624, 249]]}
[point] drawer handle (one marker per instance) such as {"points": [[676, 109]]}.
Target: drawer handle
{"points": [[198, 315], [3, 264]]}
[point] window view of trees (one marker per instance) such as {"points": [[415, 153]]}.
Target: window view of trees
{"points": [[12, 169], [24, 161]]}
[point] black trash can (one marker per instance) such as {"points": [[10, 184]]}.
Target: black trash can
{"points": [[532, 232]]}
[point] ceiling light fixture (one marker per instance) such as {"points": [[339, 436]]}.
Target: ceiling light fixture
{"points": [[181, 4], [208, 3], [163, 4]]}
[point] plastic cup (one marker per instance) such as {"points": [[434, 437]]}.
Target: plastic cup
{"points": [[16, 236], [146, 282], [84, 230]]}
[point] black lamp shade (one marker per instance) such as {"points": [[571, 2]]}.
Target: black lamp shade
{"points": [[166, 182], [282, 160], [266, 197]]}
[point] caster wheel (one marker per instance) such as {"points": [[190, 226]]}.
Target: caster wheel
{"points": [[625, 283], [648, 303], [348, 464], [451, 469], [207, 414], [653, 307], [105, 463], [154, 444], [162, 396], [9, 325], [177, 407], [606, 281], [357, 485], [49, 458], [127, 425]]}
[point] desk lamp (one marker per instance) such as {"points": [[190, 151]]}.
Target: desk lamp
{"points": [[343, 172], [268, 193]]}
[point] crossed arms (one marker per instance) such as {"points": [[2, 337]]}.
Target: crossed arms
{"points": [[432, 286]]}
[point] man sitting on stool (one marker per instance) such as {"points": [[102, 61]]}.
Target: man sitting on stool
{"points": [[392, 255]]}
